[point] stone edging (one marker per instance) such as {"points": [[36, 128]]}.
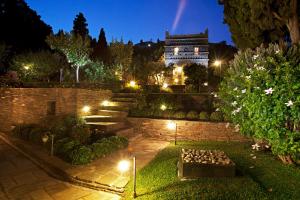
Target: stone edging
{"points": [[55, 171]]}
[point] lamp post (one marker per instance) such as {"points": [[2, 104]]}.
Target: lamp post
{"points": [[123, 166], [45, 139], [173, 126]]}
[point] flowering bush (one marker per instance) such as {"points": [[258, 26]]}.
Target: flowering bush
{"points": [[260, 95]]}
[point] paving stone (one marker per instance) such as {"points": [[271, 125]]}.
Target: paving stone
{"points": [[40, 195]]}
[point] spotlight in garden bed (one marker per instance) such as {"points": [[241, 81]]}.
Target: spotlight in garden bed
{"points": [[86, 109], [105, 103], [163, 107], [132, 83], [165, 86]]}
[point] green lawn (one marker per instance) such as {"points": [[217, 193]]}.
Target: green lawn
{"points": [[269, 179]]}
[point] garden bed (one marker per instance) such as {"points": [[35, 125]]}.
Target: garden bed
{"points": [[73, 142]]}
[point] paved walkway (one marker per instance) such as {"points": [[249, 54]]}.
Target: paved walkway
{"points": [[20, 179], [105, 170]]}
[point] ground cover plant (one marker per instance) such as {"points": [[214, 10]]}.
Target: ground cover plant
{"points": [[73, 140], [260, 175]]}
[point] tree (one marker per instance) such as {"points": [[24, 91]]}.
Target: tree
{"points": [[39, 66], [255, 22], [4, 53], [21, 27], [101, 50], [98, 72], [121, 57], [196, 75], [80, 26], [75, 48]]}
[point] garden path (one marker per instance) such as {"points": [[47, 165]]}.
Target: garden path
{"points": [[105, 170], [20, 179]]}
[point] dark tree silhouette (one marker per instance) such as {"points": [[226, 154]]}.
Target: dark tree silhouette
{"points": [[80, 26], [101, 50], [21, 27]]}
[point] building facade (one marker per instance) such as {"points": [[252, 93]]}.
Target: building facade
{"points": [[181, 50]]}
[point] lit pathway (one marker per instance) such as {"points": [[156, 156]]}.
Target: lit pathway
{"points": [[20, 179], [105, 170]]}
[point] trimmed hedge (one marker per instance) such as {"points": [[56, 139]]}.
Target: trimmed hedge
{"points": [[192, 115], [203, 116], [216, 116]]}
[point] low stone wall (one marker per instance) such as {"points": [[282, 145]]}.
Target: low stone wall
{"points": [[31, 105], [186, 130]]}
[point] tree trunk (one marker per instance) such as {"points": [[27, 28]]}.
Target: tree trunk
{"points": [[293, 23], [77, 74], [286, 159]]}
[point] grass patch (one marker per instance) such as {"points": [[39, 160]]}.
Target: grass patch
{"points": [[269, 179]]}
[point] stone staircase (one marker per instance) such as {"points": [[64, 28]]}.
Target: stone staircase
{"points": [[111, 118]]}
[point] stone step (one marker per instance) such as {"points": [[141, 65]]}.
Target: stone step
{"points": [[123, 104], [113, 113], [123, 99], [102, 118], [107, 126], [115, 108], [124, 95]]}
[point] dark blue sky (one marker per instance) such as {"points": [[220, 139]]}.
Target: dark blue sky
{"points": [[136, 19]]}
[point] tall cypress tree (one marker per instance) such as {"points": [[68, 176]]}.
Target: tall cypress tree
{"points": [[80, 26], [101, 51]]}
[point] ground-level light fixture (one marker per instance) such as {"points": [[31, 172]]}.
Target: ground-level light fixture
{"points": [[205, 84], [171, 125], [165, 85], [86, 109], [176, 80], [218, 63], [179, 69], [132, 83], [105, 103], [124, 166], [163, 107]]}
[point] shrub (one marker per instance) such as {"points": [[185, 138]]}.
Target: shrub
{"points": [[66, 148], [260, 95], [23, 131], [192, 115], [36, 135], [80, 133], [216, 116], [81, 155], [203, 116], [121, 142], [168, 114], [179, 115]]}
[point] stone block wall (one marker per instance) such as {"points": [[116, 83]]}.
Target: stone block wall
{"points": [[186, 130], [32, 105]]}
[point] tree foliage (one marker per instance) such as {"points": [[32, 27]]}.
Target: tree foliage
{"points": [[76, 49], [80, 26], [196, 75], [21, 27], [255, 22], [99, 72], [101, 50], [39, 66], [121, 57], [261, 95]]}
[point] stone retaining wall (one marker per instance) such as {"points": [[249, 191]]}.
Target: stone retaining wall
{"points": [[31, 105], [186, 130]]}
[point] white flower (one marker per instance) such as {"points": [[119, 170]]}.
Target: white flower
{"points": [[239, 109], [261, 68], [217, 109], [234, 103], [236, 111], [248, 77], [289, 103], [249, 70], [257, 88], [255, 65], [237, 128], [244, 91], [277, 52], [269, 91], [235, 89], [255, 57], [215, 95], [255, 146]]}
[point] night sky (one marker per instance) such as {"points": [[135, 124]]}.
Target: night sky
{"points": [[137, 19]]}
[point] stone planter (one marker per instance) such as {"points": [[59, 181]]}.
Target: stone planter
{"points": [[204, 163]]}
